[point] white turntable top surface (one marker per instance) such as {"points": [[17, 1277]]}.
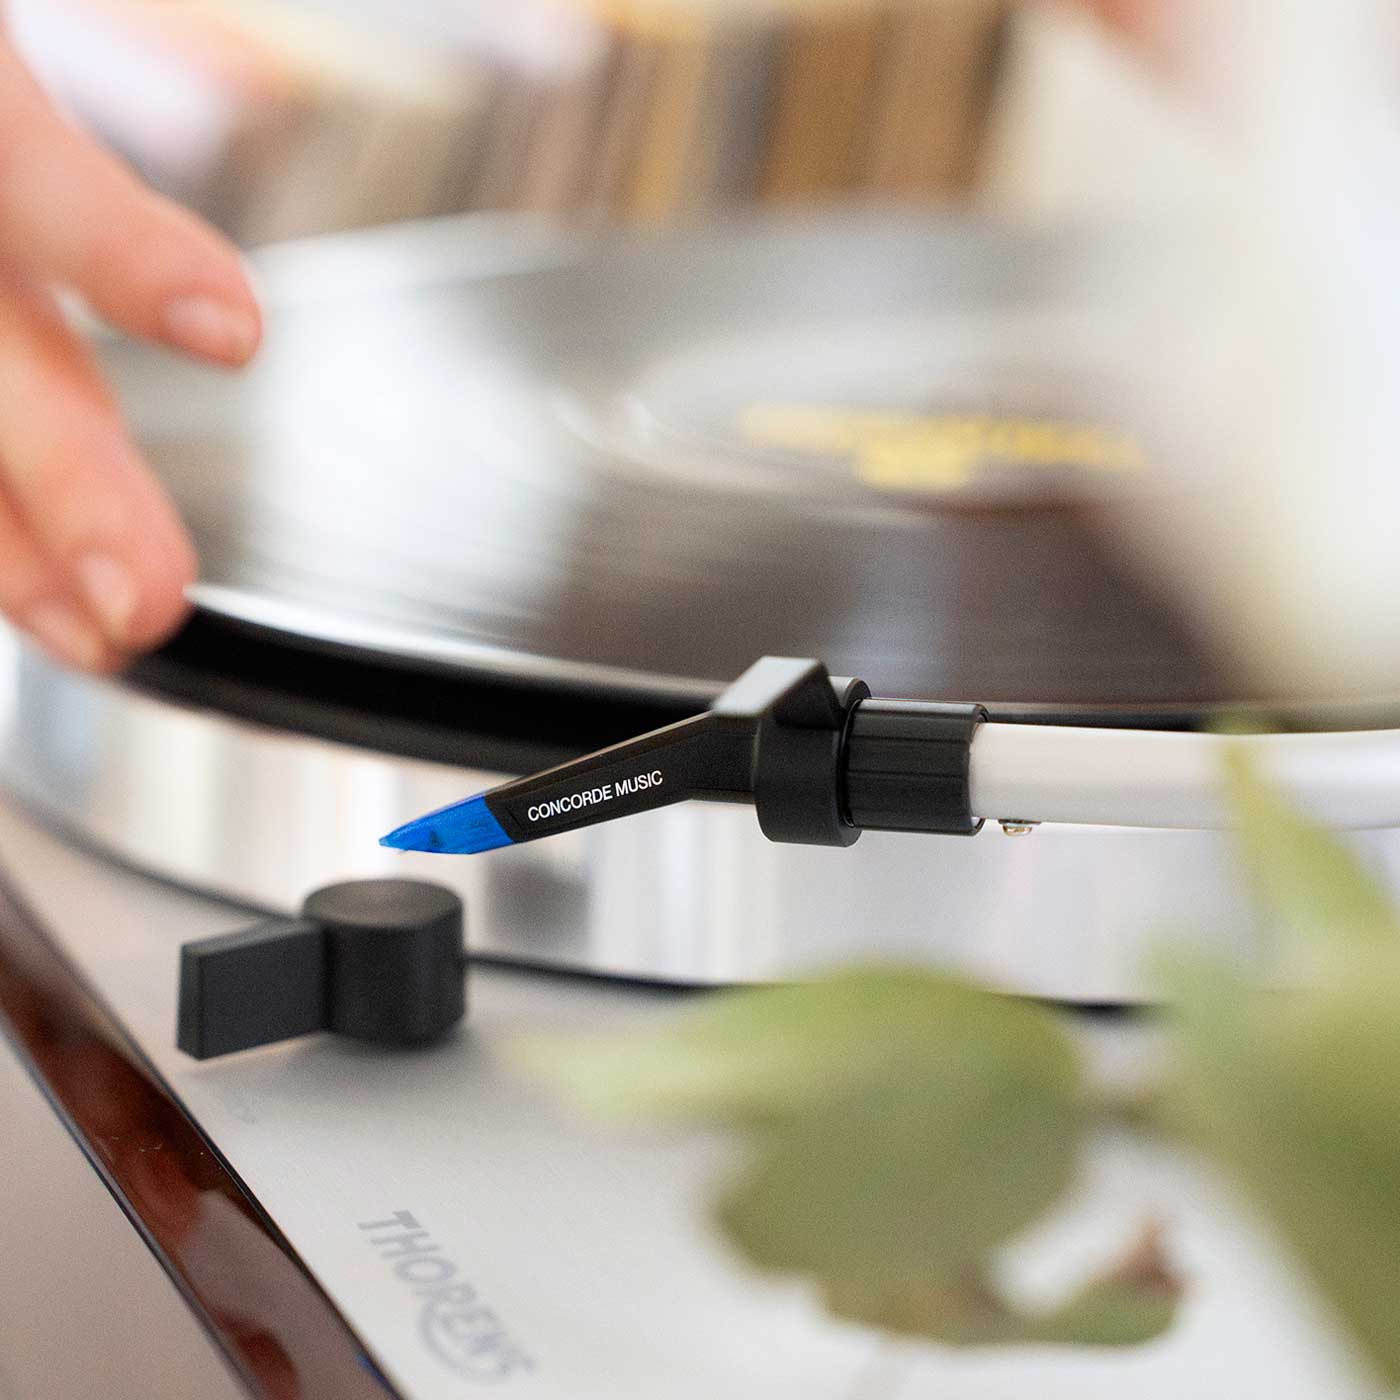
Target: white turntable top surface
{"points": [[590, 1246]]}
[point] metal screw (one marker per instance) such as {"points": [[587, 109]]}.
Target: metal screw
{"points": [[1012, 826]]}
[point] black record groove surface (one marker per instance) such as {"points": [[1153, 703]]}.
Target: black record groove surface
{"points": [[507, 471]]}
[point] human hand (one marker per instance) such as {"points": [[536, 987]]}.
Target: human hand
{"points": [[1135, 17], [93, 557]]}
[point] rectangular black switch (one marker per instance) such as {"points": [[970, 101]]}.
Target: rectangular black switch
{"points": [[242, 989]]}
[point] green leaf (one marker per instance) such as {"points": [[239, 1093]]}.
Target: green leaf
{"points": [[966, 1311], [1132, 1303], [914, 1174], [1298, 1096], [904, 1122], [902, 1127], [763, 1054], [1307, 877]]}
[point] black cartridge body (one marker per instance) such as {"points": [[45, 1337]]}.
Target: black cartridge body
{"points": [[819, 759]]}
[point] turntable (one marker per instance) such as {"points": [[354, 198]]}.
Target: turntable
{"points": [[494, 499]]}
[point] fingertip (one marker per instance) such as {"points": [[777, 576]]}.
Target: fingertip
{"points": [[164, 605], [167, 605], [190, 289], [212, 307], [83, 501], [209, 308], [111, 662], [160, 621], [212, 328], [139, 602], [68, 637]]}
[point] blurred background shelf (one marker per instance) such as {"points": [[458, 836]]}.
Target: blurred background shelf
{"points": [[279, 119]]}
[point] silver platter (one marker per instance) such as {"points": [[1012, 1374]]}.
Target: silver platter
{"points": [[691, 894]]}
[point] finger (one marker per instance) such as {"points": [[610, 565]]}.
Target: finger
{"points": [[37, 599], [72, 213], [1133, 16], [93, 509], [1152, 26]]}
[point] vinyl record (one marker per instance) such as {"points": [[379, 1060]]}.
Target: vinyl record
{"points": [[629, 467]]}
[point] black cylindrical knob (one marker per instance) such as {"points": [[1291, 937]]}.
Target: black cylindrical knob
{"points": [[907, 766], [395, 959]]}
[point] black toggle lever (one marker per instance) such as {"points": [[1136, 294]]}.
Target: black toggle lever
{"points": [[378, 960]]}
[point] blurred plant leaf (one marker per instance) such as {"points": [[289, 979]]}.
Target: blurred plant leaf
{"points": [[1131, 1303], [1297, 1093], [914, 1174], [764, 1053], [1305, 875], [902, 1126]]}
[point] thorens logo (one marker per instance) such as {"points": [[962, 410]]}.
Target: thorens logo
{"points": [[455, 1325]]}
